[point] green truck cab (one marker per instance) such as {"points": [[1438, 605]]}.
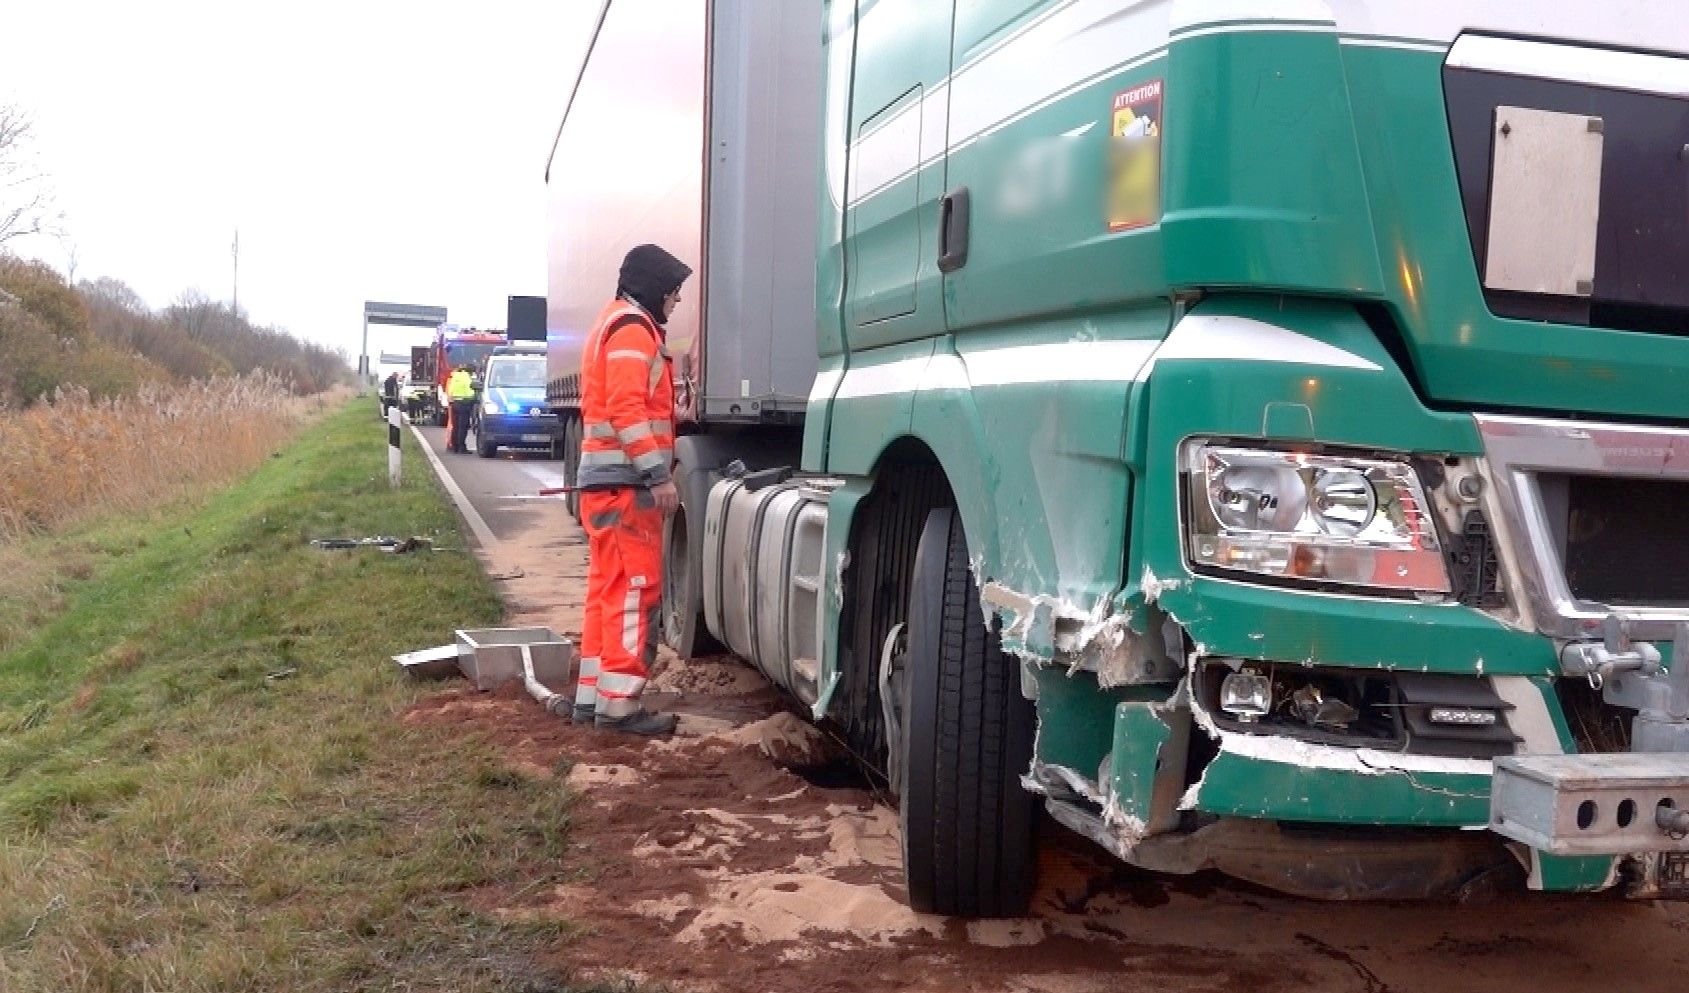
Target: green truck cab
{"points": [[1258, 433]]}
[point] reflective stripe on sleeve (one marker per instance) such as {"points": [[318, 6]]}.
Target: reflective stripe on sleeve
{"points": [[627, 353], [649, 461], [639, 432], [614, 456], [601, 430]]}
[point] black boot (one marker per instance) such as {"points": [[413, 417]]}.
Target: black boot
{"points": [[641, 722]]}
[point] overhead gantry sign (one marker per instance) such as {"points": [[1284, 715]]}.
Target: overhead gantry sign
{"points": [[405, 315]]}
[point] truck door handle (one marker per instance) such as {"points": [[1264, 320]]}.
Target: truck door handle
{"points": [[953, 230]]}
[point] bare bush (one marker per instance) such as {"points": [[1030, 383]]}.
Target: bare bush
{"points": [[26, 203]]}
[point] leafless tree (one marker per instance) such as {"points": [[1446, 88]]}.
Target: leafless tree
{"points": [[115, 291], [26, 204], [73, 254]]}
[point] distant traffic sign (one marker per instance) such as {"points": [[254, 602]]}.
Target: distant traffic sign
{"points": [[405, 315]]}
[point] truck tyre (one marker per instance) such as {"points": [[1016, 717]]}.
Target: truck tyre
{"points": [[572, 435], [684, 629], [967, 822], [683, 593]]}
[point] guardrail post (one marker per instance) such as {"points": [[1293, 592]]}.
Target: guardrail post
{"points": [[394, 437]]}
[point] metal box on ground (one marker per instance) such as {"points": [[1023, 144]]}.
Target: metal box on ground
{"points": [[491, 657]]}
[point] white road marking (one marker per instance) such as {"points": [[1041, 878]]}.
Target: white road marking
{"points": [[483, 535], [547, 477]]}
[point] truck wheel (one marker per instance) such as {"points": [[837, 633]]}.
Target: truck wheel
{"points": [[967, 822], [683, 599], [572, 466]]}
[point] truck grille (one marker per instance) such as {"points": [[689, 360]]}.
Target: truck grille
{"points": [[1627, 540]]}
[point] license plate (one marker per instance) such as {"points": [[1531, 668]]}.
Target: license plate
{"points": [[1674, 870], [536, 438]]}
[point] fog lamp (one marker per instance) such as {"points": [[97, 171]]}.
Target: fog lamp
{"points": [[1246, 695]]}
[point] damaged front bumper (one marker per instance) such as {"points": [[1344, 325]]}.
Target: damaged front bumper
{"points": [[1133, 752], [1149, 773]]}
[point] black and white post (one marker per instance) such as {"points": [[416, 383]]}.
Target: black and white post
{"points": [[393, 439]]}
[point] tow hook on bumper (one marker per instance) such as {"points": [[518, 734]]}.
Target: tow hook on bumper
{"points": [[1629, 674], [1632, 803]]}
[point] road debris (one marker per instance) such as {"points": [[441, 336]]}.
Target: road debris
{"points": [[439, 662], [538, 658], [396, 546]]}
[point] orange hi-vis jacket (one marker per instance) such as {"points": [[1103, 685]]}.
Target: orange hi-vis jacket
{"points": [[627, 401]]}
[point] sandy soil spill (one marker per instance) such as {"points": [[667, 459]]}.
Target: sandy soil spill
{"points": [[708, 864], [740, 857]]}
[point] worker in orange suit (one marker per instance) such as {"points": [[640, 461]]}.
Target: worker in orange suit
{"points": [[627, 406]]}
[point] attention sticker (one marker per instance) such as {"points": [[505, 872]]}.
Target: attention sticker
{"points": [[1134, 178]]}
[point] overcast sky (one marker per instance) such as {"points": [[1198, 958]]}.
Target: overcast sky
{"points": [[366, 149]]}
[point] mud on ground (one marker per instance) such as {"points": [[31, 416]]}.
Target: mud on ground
{"points": [[705, 864]]}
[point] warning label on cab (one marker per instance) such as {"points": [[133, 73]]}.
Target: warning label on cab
{"points": [[1134, 177]]}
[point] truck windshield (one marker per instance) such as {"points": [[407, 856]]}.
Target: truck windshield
{"points": [[460, 354], [516, 372]]}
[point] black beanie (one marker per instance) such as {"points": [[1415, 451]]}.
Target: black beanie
{"points": [[648, 275]]}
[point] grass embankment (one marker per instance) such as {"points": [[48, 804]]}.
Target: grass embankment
{"points": [[203, 780]]}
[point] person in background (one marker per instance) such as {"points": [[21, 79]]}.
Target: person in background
{"points": [[389, 394], [627, 404], [460, 391]]}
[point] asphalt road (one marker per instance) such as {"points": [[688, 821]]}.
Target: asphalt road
{"points": [[502, 489]]}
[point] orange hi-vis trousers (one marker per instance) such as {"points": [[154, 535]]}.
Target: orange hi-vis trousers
{"points": [[624, 589]]}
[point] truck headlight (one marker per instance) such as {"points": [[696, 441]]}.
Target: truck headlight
{"points": [[1315, 518]]}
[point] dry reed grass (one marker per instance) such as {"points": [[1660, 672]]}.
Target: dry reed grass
{"points": [[76, 456]]}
